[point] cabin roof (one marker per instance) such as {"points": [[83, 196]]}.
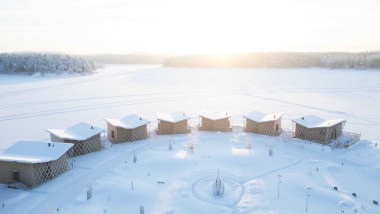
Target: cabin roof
{"points": [[215, 115], [34, 151], [172, 117], [263, 117], [129, 122], [312, 121], [80, 131]]}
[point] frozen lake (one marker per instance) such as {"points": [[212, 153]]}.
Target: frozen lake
{"points": [[31, 104]]}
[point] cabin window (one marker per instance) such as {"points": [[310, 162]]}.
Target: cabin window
{"points": [[112, 134]]}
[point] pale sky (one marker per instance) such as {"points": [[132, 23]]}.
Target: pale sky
{"points": [[189, 26]]}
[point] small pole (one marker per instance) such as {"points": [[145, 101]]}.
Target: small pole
{"points": [[307, 196], [89, 193], [278, 186]]}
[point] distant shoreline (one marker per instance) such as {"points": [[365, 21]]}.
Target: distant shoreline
{"points": [[333, 60], [45, 64]]}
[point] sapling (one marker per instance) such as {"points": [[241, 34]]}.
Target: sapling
{"points": [[134, 157], [218, 186]]}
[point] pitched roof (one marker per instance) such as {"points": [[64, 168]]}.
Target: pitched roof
{"points": [[80, 131], [172, 117], [129, 122], [262, 117], [312, 121], [215, 115], [34, 151]]}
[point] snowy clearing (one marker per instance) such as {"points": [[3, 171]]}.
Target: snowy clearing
{"points": [[180, 181]]}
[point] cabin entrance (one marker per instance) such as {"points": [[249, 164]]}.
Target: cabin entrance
{"points": [[276, 127], [334, 134], [16, 176]]}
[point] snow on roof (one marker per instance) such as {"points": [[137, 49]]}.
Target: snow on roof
{"points": [[262, 117], [215, 115], [34, 151], [129, 122], [80, 131], [172, 117], [312, 121]]}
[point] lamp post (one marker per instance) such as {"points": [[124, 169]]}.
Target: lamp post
{"points": [[278, 185], [341, 204], [308, 188]]}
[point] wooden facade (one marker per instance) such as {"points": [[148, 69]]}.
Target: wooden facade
{"points": [[272, 128], [318, 130], [322, 135], [85, 137], [219, 125], [263, 123], [172, 123], [14, 170], [168, 128], [81, 147], [119, 134]]}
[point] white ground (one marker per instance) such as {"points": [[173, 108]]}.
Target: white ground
{"points": [[31, 104]]}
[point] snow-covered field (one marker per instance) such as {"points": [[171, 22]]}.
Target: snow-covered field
{"points": [[179, 181]]}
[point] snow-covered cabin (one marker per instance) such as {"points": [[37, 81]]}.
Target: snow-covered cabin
{"points": [[85, 137], [172, 123], [261, 123], [32, 163], [317, 129], [215, 121], [129, 128]]}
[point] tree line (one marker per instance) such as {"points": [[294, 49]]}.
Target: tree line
{"points": [[45, 63], [128, 58], [332, 60]]}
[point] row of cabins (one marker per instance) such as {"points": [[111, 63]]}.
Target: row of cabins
{"points": [[30, 163]]}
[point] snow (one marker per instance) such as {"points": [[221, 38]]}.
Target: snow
{"points": [[215, 115], [312, 121], [129, 122], [262, 117], [80, 131], [34, 151], [172, 117], [180, 180]]}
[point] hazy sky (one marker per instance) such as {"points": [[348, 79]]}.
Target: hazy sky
{"points": [[189, 26]]}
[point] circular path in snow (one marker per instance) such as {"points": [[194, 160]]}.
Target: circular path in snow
{"points": [[233, 190]]}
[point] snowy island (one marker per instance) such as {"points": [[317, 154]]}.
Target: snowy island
{"points": [[44, 63]]}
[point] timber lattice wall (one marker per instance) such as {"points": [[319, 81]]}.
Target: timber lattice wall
{"points": [[323, 135], [128, 135], [272, 128], [168, 128], [222, 125]]}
